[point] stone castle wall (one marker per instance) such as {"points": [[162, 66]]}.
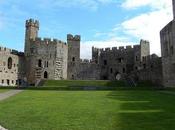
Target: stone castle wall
{"points": [[11, 67], [167, 36]]}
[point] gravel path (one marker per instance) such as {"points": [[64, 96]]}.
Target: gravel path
{"points": [[8, 94]]}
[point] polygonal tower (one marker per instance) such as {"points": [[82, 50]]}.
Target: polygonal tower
{"points": [[174, 9], [32, 27], [73, 55]]}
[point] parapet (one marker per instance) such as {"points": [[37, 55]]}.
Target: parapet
{"points": [[48, 41], [74, 38], [33, 23], [4, 49], [87, 61], [144, 41], [136, 47], [11, 51]]}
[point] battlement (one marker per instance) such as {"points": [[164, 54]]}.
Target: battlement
{"points": [[116, 49], [74, 38], [33, 23], [48, 41], [85, 61], [11, 51], [144, 41]]}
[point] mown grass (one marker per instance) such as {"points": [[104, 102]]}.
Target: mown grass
{"points": [[84, 83], [3, 90], [89, 110]]}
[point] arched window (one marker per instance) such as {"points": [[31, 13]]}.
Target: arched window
{"points": [[45, 75], [39, 63], [73, 59], [72, 76], [9, 63]]}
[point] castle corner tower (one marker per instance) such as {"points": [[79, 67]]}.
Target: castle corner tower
{"points": [[31, 32], [173, 9]]}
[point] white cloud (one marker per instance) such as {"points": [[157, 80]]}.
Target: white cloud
{"points": [[144, 26], [148, 25], [155, 4]]}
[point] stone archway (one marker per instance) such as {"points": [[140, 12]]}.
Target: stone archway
{"points": [[45, 75]]}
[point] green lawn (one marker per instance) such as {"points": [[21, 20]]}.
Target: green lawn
{"points": [[88, 110], [3, 90]]}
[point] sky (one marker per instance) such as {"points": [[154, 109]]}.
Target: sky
{"points": [[101, 23]]}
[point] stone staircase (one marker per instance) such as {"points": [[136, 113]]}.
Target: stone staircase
{"points": [[38, 73], [58, 68], [39, 83]]}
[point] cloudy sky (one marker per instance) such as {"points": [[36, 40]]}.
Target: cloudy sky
{"points": [[101, 23]]}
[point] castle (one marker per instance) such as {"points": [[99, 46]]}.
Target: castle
{"points": [[58, 60]]}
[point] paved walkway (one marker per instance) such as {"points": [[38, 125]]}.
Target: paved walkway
{"points": [[8, 94], [1, 128]]}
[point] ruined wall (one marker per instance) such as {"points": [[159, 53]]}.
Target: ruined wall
{"points": [[151, 70], [47, 60], [167, 36], [115, 61], [73, 56], [11, 67], [88, 70]]}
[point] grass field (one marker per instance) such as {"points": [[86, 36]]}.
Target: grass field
{"points": [[3, 90], [88, 110]]}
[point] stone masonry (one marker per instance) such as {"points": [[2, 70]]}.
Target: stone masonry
{"points": [[58, 60]]}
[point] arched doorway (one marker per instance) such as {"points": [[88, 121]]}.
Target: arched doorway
{"points": [[39, 63], [45, 75]]}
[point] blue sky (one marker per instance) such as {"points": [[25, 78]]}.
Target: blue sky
{"points": [[101, 23]]}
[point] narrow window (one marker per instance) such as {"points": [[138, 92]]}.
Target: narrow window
{"points": [[111, 70], [9, 63], [73, 59], [47, 64], [45, 75], [39, 63], [105, 62], [124, 70]]}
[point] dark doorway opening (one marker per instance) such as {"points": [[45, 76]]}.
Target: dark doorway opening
{"points": [[39, 63], [8, 82], [45, 75]]}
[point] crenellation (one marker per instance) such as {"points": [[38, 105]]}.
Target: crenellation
{"points": [[32, 22], [114, 48], [73, 38], [121, 48], [129, 47], [107, 49]]}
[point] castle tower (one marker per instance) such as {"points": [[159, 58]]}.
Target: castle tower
{"points": [[144, 48], [174, 9], [32, 27], [73, 55]]}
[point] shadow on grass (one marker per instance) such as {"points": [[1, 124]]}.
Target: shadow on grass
{"points": [[141, 110]]}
